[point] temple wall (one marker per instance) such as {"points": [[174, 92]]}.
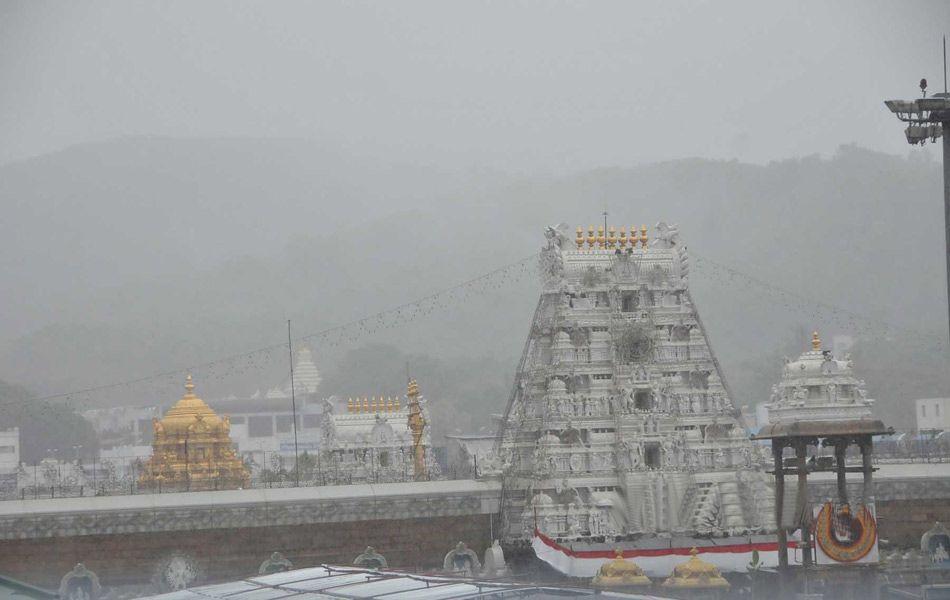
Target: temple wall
{"points": [[906, 506], [227, 554], [902, 522], [227, 534]]}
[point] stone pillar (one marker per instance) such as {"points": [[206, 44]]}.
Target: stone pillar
{"points": [[801, 450], [777, 447], [867, 469], [841, 448]]}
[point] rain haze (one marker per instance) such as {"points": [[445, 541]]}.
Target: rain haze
{"points": [[181, 182]]}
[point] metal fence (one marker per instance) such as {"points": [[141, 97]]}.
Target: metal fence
{"points": [[116, 477]]}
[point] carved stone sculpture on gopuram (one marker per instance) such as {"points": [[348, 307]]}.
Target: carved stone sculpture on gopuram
{"points": [[620, 422]]}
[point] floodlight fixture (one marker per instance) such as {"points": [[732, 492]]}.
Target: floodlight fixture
{"points": [[928, 119]]}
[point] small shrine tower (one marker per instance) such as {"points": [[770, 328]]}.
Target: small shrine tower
{"points": [[819, 404], [192, 449]]}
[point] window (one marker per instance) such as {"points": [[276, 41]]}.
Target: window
{"points": [[311, 421], [651, 455], [285, 423], [923, 410], [628, 302], [937, 410], [7, 449], [260, 426], [238, 420], [643, 400]]}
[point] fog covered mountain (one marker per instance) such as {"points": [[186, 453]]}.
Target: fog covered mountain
{"points": [[142, 255]]}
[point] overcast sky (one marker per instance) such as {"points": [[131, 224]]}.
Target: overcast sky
{"points": [[519, 86]]}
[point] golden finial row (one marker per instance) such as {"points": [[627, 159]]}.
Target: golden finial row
{"points": [[372, 405], [611, 239]]}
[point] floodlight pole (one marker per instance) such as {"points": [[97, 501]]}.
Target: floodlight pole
{"points": [[946, 200], [293, 403], [923, 116]]}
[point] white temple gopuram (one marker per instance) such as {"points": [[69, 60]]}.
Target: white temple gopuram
{"points": [[376, 440], [818, 386], [620, 426]]}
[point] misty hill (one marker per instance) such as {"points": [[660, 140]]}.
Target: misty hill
{"points": [[142, 255]]}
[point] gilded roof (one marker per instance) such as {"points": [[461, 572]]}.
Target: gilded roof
{"points": [[188, 411], [696, 574], [620, 573]]}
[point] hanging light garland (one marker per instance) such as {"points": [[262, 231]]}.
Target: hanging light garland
{"points": [[228, 367], [255, 360]]}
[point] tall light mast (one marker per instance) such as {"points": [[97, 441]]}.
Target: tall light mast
{"points": [[929, 119]]}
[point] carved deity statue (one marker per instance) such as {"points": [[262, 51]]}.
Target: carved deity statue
{"points": [[461, 560]]}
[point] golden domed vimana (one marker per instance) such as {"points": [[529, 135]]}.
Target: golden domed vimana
{"points": [[192, 450]]}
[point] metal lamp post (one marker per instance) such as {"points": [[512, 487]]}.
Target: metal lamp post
{"points": [[929, 119]]}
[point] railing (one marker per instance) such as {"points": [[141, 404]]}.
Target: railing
{"points": [[121, 479]]}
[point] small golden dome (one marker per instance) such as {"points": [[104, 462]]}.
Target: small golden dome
{"points": [[815, 341], [620, 573], [188, 411], [192, 449], [696, 574]]}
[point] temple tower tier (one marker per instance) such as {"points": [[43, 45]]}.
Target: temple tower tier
{"points": [[620, 421]]}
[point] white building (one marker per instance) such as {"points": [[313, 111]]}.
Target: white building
{"points": [[933, 413], [9, 450], [123, 425], [372, 440]]}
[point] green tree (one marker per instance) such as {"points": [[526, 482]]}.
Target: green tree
{"points": [[45, 425]]}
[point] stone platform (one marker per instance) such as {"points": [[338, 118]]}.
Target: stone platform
{"points": [[227, 534]]}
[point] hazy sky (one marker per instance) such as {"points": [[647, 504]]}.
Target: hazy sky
{"points": [[519, 86]]}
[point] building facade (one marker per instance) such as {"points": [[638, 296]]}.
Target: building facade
{"points": [[378, 439], [620, 422], [933, 414]]}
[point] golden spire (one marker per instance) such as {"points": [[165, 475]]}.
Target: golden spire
{"points": [[611, 236], [620, 573], [192, 449], [417, 425], [643, 236], [601, 238], [591, 238], [815, 342], [365, 404], [349, 405], [580, 238], [696, 574], [623, 237]]}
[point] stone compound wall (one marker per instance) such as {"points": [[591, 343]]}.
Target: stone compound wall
{"points": [[902, 522], [906, 508], [129, 559], [124, 539]]}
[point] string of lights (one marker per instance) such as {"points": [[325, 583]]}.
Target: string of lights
{"points": [[848, 320], [347, 333], [332, 336]]}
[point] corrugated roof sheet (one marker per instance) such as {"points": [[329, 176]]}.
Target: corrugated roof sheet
{"points": [[329, 582]]}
